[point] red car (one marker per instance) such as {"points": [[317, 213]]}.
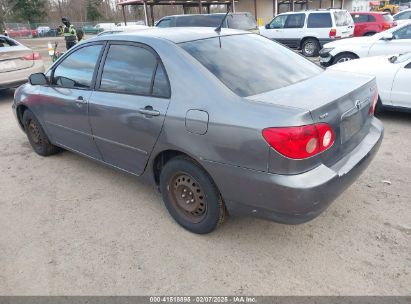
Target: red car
{"points": [[369, 23]]}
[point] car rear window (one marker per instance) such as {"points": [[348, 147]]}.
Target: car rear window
{"points": [[241, 22], [342, 18], [319, 20], [388, 18], [250, 64], [200, 20]]}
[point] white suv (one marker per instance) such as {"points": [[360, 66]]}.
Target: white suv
{"points": [[309, 30]]}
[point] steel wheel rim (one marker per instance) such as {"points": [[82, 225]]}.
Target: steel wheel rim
{"points": [[34, 132], [309, 48], [187, 197]]}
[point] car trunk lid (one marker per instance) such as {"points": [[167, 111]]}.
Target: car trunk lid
{"points": [[335, 98], [15, 58]]}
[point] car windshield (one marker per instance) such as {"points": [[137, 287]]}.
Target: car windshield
{"points": [[249, 64], [241, 22]]}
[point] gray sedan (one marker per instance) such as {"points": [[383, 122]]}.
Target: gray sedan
{"points": [[221, 122]]}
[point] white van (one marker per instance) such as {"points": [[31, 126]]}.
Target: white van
{"points": [[309, 30]]}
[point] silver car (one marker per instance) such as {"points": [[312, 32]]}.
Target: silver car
{"points": [[17, 62], [221, 122]]}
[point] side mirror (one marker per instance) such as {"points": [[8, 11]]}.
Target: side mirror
{"points": [[38, 79], [267, 26], [387, 36]]}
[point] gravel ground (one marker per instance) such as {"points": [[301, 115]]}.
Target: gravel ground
{"points": [[74, 227]]}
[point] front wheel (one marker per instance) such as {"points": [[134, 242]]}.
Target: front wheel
{"points": [[191, 196], [310, 47], [344, 57], [36, 135]]}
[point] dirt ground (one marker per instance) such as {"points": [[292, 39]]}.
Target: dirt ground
{"points": [[74, 227]]}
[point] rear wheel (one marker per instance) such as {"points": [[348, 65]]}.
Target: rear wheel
{"points": [[344, 57], [310, 47], [36, 135], [191, 196], [369, 34], [387, 10]]}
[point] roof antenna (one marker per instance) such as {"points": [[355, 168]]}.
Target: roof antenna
{"points": [[218, 28]]}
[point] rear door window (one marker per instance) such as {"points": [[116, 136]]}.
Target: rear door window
{"points": [[128, 69], [132, 69], [319, 20], [295, 21]]}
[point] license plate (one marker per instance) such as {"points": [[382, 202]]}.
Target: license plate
{"points": [[7, 65], [350, 126]]}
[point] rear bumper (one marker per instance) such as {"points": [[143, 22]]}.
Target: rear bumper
{"points": [[14, 79], [293, 199]]}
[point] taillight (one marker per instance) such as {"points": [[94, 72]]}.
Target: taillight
{"points": [[302, 141], [374, 104], [32, 56], [386, 26], [333, 33]]}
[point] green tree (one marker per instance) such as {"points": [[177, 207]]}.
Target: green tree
{"points": [[30, 10], [92, 11]]}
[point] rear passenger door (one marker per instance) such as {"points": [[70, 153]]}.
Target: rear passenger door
{"points": [[128, 107]]}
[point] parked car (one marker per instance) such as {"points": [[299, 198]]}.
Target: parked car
{"points": [[17, 62], [393, 75], [105, 26], [392, 41], [89, 29], [43, 31], [240, 21], [309, 30], [22, 32], [403, 15], [215, 120], [403, 4], [370, 23], [127, 28]]}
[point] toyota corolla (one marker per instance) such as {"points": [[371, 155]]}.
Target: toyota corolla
{"points": [[222, 122]]}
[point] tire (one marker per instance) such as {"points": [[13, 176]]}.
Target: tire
{"points": [[344, 57], [369, 34], [387, 11], [36, 135], [191, 197], [310, 47]]}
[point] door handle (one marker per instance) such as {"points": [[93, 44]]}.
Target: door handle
{"points": [[80, 100], [149, 111]]}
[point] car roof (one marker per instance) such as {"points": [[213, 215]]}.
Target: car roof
{"points": [[320, 10], [369, 13], [175, 34], [212, 14]]}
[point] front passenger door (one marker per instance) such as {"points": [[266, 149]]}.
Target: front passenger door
{"points": [[128, 108], [275, 29]]}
